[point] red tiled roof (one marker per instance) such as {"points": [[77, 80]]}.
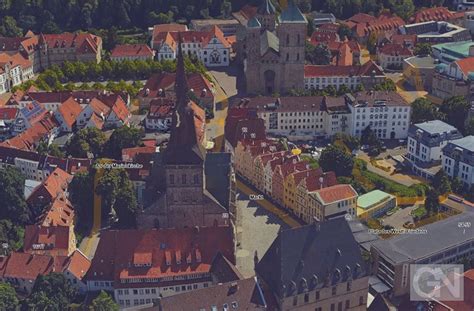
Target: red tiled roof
{"points": [[52, 240], [32, 136], [191, 36], [242, 123], [84, 43], [161, 108], [336, 193], [131, 50], [466, 65], [431, 14], [331, 70], [27, 266], [8, 113], [56, 183], [59, 213], [129, 154], [394, 49], [165, 81], [364, 24], [199, 121], [403, 39], [117, 250], [313, 182], [70, 110], [78, 264], [167, 28]]}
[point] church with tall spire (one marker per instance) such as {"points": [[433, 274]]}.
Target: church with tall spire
{"points": [[189, 187]]}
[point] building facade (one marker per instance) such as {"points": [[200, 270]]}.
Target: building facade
{"points": [[458, 159], [273, 49]]}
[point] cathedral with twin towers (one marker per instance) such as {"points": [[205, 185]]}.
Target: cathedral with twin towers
{"points": [[272, 49]]}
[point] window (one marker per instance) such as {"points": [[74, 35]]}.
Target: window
{"points": [[361, 300], [334, 290], [317, 295], [306, 298], [196, 179], [333, 307], [347, 304], [171, 179], [339, 306], [295, 300], [349, 286]]}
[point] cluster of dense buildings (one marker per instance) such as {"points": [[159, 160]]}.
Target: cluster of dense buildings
{"points": [[309, 117], [29, 117], [434, 145]]}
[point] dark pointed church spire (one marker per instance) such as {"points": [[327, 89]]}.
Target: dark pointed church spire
{"points": [[181, 83], [183, 146]]}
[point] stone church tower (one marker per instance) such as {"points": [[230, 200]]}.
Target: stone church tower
{"points": [[186, 200], [273, 49]]}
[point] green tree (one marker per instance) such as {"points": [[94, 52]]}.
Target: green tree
{"points": [[87, 140], [457, 186], [368, 137], [422, 49], [386, 85], [123, 137], [372, 43], [344, 32], [455, 111], [51, 292], [432, 201], [8, 298], [81, 191], [11, 234], [9, 28], [335, 159], [118, 195], [470, 127], [423, 110], [103, 302], [13, 207], [403, 8], [441, 182], [320, 55]]}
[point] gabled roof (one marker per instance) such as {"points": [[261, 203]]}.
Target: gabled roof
{"points": [[394, 49], [59, 213], [78, 264], [292, 14], [121, 254], [69, 110], [266, 8], [83, 43], [369, 68], [132, 50], [56, 183], [52, 240], [310, 257], [239, 295], [8, 113], [268, 40], [466, 65], [335, 193]]}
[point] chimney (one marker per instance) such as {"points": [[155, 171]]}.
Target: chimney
{"points": [[233, 288]]}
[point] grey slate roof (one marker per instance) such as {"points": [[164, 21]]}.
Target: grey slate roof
{"points": [[308, 257], [217, 168], [268, 40], [440, 236], [292, 14], [466, 143], [435, 127], [432, 133], [266, 8], [254, 23]]}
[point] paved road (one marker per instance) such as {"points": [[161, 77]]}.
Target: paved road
{"points": [[400, 217], [256, 229], [269, 206], [89, 244]]}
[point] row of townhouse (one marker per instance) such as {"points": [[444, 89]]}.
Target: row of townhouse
{"points": [[46, 50], [291, 182], [14, 70], [142, 266], [387, 113], [209, 46], [71, 110], [433, 145]]}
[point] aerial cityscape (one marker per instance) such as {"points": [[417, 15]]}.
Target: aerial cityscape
{"points": [[220, 155]]}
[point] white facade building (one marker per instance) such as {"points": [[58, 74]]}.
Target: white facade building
{"points": [[387, 114], [458, 159]]}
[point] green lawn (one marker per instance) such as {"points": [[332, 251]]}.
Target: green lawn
{"points": [[419, 212]]}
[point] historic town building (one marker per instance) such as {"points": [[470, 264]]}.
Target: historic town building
{"points": [[272, 49], [192, 188]]}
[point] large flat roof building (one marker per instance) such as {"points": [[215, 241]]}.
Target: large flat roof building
{"points": [[441, 242]]}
